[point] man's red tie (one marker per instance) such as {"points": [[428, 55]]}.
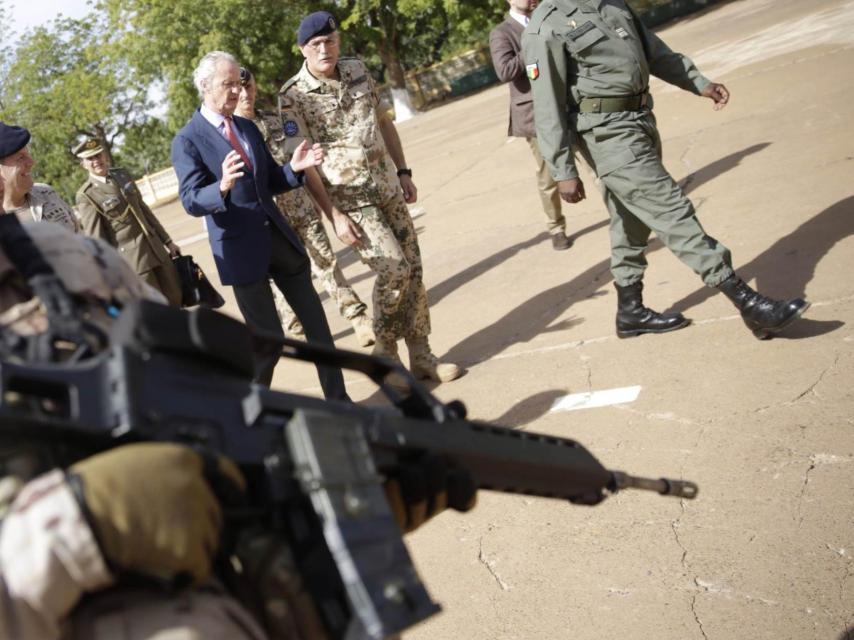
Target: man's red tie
{"points": [[235, 143]]}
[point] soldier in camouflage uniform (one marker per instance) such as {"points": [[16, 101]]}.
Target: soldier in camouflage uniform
{"points": [[334, 102], [111, 208], [589, 64], [28, 200], [303, 216]]}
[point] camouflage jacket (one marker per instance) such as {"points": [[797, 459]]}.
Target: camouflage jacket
{"points": [[43, 203], [342, 115], [295, 202]]}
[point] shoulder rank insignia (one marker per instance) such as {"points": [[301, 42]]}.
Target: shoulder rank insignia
{"points": [[291, 128], [533, 71]]}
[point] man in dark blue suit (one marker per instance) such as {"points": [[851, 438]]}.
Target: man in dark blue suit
{"points": [[227, 175]]}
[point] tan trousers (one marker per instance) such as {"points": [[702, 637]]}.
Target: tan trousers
{"points": [[549, 195]]}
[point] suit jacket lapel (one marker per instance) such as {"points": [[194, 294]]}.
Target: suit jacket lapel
{"points": [[209, 136]]}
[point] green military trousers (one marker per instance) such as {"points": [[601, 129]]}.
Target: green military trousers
{"points": [[624, 150]]}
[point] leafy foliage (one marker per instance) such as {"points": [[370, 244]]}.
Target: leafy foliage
{"points": [[67, 80], [123, 73]]}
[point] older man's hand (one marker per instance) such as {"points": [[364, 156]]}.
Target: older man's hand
{"points": [[231, 171], [306, 156]]}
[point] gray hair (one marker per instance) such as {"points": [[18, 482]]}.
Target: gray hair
{"points": [[206, 68]]}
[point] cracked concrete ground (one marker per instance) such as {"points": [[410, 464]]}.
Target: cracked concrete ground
{"points": [[765, 428]]}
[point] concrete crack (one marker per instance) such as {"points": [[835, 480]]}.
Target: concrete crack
{"points": [[490, 566], [804, 490], [812, 388], [585, 362], [697, 616]]}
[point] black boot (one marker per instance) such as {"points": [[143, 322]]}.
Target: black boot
{"points": [[763, 316], [633, 318]]}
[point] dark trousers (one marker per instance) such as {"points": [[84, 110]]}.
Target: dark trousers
{"points": [[290, 270]]}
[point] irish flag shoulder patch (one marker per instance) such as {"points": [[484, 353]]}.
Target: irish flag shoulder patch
{"points": [[533, 71]]}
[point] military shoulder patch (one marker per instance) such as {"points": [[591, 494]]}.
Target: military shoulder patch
{"points": [[532, 71], [291, 128]]}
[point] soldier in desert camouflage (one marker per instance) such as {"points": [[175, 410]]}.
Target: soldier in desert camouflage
{"points": [[334, 102], [303, 216]]}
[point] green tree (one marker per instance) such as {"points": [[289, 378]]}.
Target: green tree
{"points": [[406, 34], [164, 40], [67, 81]]}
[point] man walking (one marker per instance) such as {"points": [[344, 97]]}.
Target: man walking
{"points": [[589, 64], [333, 101], [111, 208], [226, 174], [505, 45], [302, 214]]}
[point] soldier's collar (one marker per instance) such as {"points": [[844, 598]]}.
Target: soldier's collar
{"points": [[100, 179], [311, 82]]}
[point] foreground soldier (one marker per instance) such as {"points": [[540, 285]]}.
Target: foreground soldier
{"points": [[589, 65], [335, 103], [111, 208], [303, 216], [121, 544], [26, 199]]}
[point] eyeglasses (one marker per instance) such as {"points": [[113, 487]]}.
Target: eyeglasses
{"points": [[230, 84], [316, 43]]}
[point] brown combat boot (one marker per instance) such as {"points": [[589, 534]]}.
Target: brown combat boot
{"points": [[364, 328], [388, 349], [424, 365]]}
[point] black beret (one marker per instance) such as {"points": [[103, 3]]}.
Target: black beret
{"points": [[12, 139], [318, 23]]}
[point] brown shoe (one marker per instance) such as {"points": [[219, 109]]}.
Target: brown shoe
{"points": [[295, 330], [364, 328], [425, 366], [561, 242]]}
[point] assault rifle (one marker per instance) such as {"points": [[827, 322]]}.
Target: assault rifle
{"points": [[315, 468]]}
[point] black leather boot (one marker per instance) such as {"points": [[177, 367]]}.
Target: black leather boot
{"points": [[763, 316], [633, 318]]}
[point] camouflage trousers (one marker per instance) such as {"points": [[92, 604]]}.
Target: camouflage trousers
{"points": [[390, 248], [324, 266]]}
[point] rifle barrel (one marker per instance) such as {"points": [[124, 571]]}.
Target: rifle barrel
{"points": [[664, 486]]}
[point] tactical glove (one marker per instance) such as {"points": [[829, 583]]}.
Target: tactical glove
{"points": [[152, 510], [424, 486]]}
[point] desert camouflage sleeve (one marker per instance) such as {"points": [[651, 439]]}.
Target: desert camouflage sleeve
{"points": [[48, 559]]}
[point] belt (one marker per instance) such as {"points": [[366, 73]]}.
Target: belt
{"points": [[614, 104]]}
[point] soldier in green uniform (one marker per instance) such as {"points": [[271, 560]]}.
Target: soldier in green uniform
{"points": [[303, 216], [111, 208], [333, 101], [589, 63]]}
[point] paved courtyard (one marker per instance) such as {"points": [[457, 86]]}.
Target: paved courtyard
{"points": [[766, 428]]}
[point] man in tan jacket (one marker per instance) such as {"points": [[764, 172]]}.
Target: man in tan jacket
{"points": [[111, 208]]}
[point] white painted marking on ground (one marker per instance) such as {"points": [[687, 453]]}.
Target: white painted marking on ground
{"points": [[591, 399], [830, 27]]}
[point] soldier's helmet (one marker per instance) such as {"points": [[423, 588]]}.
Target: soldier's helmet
{"points": [[92, 271]]}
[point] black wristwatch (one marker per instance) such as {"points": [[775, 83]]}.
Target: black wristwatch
{"points": [[404, 172]]}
